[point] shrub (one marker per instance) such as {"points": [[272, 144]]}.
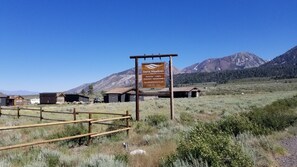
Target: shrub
{"points": [[186, 118], [71, 130], [122, 158], [276, 116], [143, 128], [101, 160], [237, 124], [157, 120], [208, 143]]}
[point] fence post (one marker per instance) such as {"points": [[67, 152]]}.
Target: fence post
{"points": [[74, 114], [41, 114], [127, 122], [18, 109], [89, 129], [0, 111]]}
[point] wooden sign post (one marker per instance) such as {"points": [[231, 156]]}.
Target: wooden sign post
{"points": [[153, 76]]}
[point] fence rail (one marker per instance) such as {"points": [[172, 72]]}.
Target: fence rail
{"points": [[41, 111], [89, 121]]}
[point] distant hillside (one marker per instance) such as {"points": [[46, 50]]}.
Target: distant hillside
{"points": [[287, 59], [283, 66], [121, 79], [237, 66], [18, 92], [236, 61]]}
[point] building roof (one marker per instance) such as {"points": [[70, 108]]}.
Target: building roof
{"points": [[16, 96], [2, 95], [180, 89], [119, 90]]}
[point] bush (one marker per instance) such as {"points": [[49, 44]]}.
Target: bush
{"points": [[71, 130], [237, 124], [208, 143], [101, 160], [186, 118], [143, 128], [157, 120], [276, 116]]}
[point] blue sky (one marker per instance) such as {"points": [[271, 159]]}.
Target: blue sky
{"points": [[55, 45]]}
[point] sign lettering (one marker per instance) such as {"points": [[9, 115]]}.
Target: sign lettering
{"points": [[153, 75]]}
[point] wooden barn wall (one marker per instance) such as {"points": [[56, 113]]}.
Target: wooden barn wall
{"points": [[3, 101], [48, 99]]}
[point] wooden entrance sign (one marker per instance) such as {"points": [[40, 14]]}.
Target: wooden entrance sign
{"points": [[153, 75], [153, 78]]}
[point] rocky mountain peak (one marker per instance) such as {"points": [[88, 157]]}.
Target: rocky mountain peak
{"points": [[240, 60]]}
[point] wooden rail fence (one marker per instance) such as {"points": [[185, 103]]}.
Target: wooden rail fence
{"points": [[89, 121]]}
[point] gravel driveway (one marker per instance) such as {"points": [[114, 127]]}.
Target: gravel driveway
{"points": [[291, 159]]}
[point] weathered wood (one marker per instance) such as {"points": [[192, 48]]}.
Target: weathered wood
{"points": [[107, 113], [9, 108], [44, 124], [110, 119], [30, 109], [111, 124], [74, 114], [58, 112], [137, 90], [18, 112], [127, 122], [110, 132], [50, 119], [32, 116], [40, 114], [171, 89], [8, 114], [153, 56], [89, 129], [44, 142]]}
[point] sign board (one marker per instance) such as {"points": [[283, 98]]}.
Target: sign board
{"points": [[153, 75]]}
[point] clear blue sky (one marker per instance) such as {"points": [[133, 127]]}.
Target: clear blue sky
{"points": [[55, 45]]}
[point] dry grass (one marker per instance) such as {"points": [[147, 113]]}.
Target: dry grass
{"points": [[158, 142]]}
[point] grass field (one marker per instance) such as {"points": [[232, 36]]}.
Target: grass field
{"points": [[158, 140]]}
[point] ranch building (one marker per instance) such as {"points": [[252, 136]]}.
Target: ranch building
{"points": [[180, 92], [76, 98], [16, 101], [3, 99], [120, 95], [51, 98]]}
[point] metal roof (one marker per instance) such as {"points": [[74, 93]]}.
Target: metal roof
{"points": [[180, 89], [119, 90]]}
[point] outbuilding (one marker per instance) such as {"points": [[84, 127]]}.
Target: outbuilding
{"points": [[16, 101], [180, 92], [3, 99], [51, 98], [120, 95], [76, 98]]}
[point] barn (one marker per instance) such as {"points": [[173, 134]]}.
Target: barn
{"points": [[16, 101], [120, 95], [3, 99], [51, 98], [76, 98], [180, 92]]}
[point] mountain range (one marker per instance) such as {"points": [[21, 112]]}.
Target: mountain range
{"points": [[235, 66], [242, 60], [18, 92]]}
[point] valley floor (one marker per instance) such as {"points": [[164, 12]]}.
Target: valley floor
{"points": [[158, 140]]}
